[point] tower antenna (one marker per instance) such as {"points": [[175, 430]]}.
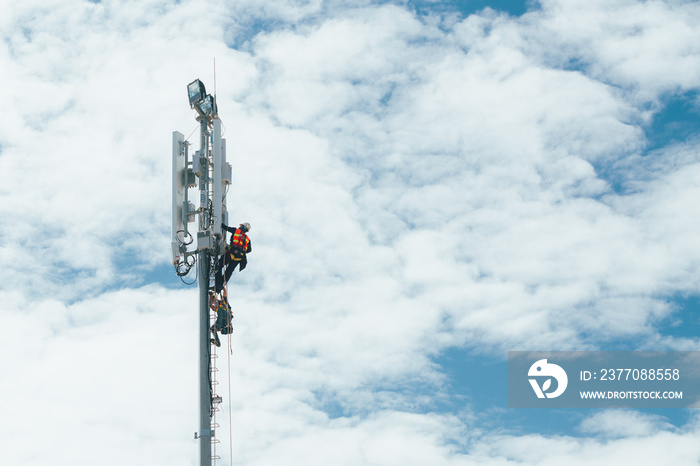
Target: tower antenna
{"points": [[208, 166]]}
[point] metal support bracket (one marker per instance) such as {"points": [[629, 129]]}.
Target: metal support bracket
{"points": [[204, 433]]}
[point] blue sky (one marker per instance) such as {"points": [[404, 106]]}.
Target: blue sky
{"points": [[676, 121], [430, 185], [467, 7]]}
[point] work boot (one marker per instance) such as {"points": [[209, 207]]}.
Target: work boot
{"points": [[215, 340]]}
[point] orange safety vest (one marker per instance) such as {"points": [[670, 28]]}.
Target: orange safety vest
{"points": [[239, 241]]}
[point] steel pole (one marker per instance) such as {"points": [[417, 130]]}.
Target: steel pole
{"points": [[205, 433]]}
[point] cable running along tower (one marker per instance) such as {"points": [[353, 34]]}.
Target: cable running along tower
{"points": [[208, 168]]}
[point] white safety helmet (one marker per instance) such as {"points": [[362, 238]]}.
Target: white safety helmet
{"points": [[246, 226]]}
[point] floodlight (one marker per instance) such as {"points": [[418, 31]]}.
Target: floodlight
{"points": [[196, 92], [206, 107]]}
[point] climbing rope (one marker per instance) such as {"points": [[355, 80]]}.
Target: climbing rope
{"points": [[230, 422]]}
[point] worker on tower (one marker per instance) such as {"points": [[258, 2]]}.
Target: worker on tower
{"points": [[235, 255], [224, 316]]}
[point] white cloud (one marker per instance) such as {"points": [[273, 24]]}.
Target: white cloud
{"points": [[619, 424], [645, 47], [413, 184], [658, 447], [110, 371]]}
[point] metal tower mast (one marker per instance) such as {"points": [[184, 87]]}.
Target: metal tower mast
{"points": [[206, 434], [210, 167]]}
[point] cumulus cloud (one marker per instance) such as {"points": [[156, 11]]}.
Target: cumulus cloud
{"points": [[415, 183], [624, 424], [490, 155]]}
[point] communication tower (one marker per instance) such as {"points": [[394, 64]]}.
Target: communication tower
{"points": [[206, 168]]}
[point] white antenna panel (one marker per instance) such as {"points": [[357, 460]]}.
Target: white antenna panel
{"points": [[225, 167], [178, 193], [218, 192]]}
